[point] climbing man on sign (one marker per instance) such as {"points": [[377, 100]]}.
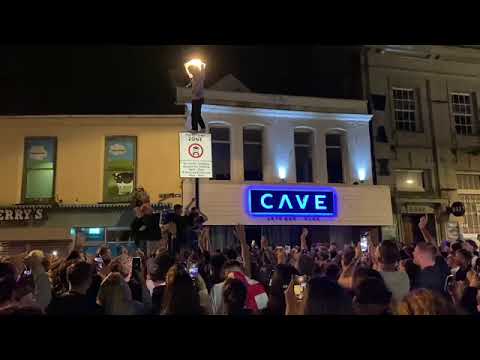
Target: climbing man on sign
{"points": [[196, 72]]}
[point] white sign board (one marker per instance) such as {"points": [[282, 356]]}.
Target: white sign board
{"points": [[195, 155]]}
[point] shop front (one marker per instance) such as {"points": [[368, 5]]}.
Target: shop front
{"points": [[279, 211], [56, 228]]}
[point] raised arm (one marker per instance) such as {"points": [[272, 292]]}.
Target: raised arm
{"points": [[303, 239], [423, 229], [239, 231], [187, 209]]}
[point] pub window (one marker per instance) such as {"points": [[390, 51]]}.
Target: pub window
{"points": [[412, 180], [303, 155], [334, 158], [252, 154], [220, 152], [39, 169], [119, 170]]}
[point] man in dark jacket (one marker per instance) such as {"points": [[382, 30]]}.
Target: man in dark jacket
{"points": [[75, 301], [431, 276]]}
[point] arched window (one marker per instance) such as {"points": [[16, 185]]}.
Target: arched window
{"points": [[220, 152], [334, 146], [252, 153], [303, 139]]}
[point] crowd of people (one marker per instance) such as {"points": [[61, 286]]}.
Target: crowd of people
{"points": [[179, 274]]}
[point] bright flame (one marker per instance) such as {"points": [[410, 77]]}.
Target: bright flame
{"points": [[362, 174], [409, 181], [282, 172], [195, 62]]}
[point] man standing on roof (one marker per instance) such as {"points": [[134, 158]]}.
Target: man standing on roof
{"points": [[196, 72]]}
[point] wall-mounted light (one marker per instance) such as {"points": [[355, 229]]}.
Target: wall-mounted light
{"points": [[362, 174], [282, 172], [55, 253], [409, 181]]}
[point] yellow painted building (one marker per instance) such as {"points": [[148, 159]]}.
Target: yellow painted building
{"points": [[75, 156]]}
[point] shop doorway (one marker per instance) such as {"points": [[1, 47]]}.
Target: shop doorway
{"points": [[411, 231]]}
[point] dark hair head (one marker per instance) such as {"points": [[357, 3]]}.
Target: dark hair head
{"points": [[389, 253], [467, 255], [74, 255], [326, 297], [456, 246], [231, 264], [161, 264], [472, 244], [177, 207], [231, 254], [372, 291], [332, 272], [7, 281], [103, 250], [363, 273], [181, 295], [348, 255], [306, 264], [217, 261], [281, 278], [234, 296], [79, 273]]}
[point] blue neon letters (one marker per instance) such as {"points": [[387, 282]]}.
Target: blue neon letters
{"points": [[290, 201]]}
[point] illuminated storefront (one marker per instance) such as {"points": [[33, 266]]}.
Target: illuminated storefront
{"points": [[283, 162]]}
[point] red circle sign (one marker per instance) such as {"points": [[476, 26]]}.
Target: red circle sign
{"points": [[195, 150]]}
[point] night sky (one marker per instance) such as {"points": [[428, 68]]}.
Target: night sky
{"points": [[137, 79]]}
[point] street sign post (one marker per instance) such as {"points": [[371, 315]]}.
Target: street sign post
{"points": [[195, 155]]}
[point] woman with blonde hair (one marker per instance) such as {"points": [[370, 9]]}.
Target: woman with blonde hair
{"points": [[115, 297], [425, 302]]}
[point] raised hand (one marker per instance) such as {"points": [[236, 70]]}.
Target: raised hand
{"points": [[423, 222]]}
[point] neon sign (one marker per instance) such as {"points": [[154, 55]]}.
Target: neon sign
{"points": [[291, 200]]}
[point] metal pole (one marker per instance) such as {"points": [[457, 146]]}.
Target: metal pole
{"points": [[197, 193]]}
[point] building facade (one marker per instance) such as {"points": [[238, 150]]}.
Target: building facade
{"points": [[290, 144], [426, 135], [65, 174]]}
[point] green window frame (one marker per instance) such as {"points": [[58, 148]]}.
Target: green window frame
{"points": [[120, 163], [39, 169]]}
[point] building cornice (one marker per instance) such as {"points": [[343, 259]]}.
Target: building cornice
{"points": [[288, 114], [279, 102]]}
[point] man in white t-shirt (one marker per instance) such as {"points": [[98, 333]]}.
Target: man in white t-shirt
{"points": [[397, 282], [196, 72]]}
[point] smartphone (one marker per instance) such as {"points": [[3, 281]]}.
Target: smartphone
{"points": [[364, 243], [450, 283], [299, 286], [99, 263], [136, 263], [193, 271], [287, 249]]}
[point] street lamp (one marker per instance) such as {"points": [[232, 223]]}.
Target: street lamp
{"points": [[198, 63]]}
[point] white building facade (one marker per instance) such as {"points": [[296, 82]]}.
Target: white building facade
{"points": [[426, 135], [289, 143]]}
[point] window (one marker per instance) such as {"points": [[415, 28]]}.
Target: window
{"points": [[405, 109], [39, 169], [412, 180], [303, 155], [120, 164], [462, 111], [221, 152], [252, 154], [334, 158], [469, 194]]}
